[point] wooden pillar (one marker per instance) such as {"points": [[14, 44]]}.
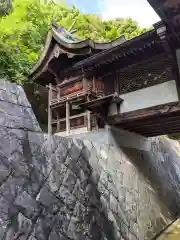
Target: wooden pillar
{"points": [[88, 120], [58, 93], [58, 123], [88, 117], [85, 85], [67, 118], [58, 117], [50, 111], [94, 84]]}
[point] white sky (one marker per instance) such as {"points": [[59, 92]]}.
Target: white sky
{"points": [[138, 10]]}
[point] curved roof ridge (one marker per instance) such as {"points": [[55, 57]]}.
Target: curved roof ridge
{"points": [[71, 45], [86, 43]]}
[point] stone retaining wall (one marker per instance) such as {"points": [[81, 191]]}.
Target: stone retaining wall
{"points": [[94, 186]]}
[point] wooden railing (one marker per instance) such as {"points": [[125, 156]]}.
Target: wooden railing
{"points": [[78, 120], [68, 97]]}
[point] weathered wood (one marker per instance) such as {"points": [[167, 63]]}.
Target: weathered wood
{"points": [[88, 117], [50, 111], [85, 83], [58, 93], [145, 113], [94, 84], [58, 123], [88, 120], [67, 119], [70, 118]]}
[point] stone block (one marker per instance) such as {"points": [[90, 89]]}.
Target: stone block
{"points": [[67, 197], [79, 210], [76, 229], [95, 232], [74, 152], [44, 224], [93, 159], [21, 96], [113, 204], [69, 180], [18, 164], [105, 205], [7, 211], [11, 109], [48, 199], [54, 235], [27, 205], [38, 138], [12, 188], [73, 166], [34, 182], [38, 160], [104, 191], [123, 216], [50, 146], [59, 173], [124, 230], [54, 181], [104, 179], [8, 97], [84, 179], [93, 194], [4, 172], [113, 189], [86, 151], [10, 139], [80, 193], [95, 176], [84, 165], [60, 154], [61, 223], [24, 226], [78, 143], [3, 84]]}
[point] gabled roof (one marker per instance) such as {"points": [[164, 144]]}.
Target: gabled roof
{"points": [[59, 41]]}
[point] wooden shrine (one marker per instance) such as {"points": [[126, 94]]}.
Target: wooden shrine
{"points": [[132, 84]]}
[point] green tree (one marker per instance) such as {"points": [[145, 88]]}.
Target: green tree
{"points": [[23, 32]]}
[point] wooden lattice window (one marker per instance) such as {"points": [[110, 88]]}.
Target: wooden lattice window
{"points": [[156, 70]]}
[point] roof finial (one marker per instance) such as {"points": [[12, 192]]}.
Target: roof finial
{"points": [[71, 30]]}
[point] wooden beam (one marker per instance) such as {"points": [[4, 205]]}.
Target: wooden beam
{"points": [[50, 111], [70, 118], [88, 120], [154, 122], [145, 113], [58, 123], [94, 84]]}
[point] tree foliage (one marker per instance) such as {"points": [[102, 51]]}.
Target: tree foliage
{"points": [[23, 32]]}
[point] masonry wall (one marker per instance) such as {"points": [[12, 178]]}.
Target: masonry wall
{"points": [[105, 185]]}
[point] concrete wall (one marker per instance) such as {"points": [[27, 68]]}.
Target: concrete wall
{"points": [[103, 185], [148, 97]]}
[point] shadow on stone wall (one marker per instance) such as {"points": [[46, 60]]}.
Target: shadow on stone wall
{"points": [[162, 170]]}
